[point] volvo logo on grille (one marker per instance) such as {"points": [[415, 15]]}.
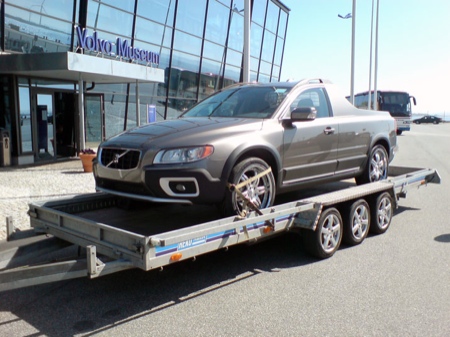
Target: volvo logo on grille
{"points": [[121, 159], [116, 158]]}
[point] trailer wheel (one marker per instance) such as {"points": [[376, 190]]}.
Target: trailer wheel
{"points": [[376, 168], [382, 213], [356, 222], [326, 239], [260, 191]]}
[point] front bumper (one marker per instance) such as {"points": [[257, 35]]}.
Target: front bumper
{"points": [[161, 184]]}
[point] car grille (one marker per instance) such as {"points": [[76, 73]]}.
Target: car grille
{"points": [[122, 159]]}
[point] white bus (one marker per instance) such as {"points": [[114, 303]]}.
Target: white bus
{"points": [[398, 103]]}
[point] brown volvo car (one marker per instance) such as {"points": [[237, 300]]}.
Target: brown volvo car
{"points": [[249, 142]]}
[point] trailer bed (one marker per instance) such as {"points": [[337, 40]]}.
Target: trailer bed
{"points": [[149, 236]]}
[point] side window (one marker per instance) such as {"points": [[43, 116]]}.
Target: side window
{"points": [[312, 98]]}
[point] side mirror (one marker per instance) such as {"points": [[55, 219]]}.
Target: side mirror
{"points": [[303, 114]]}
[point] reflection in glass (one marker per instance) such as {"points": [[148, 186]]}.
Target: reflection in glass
{"points": [[25, 120], [112, 20], [276, 74], [279, 51], [234, 58], [125, 5], [265, 67], [213, 51], [254, 64], [159, 11], [268, 47], [191, 16], [61, 9], [217, 22], [272, 17], [187, 43], [93, 120], [256, 34], [282, 24], [149, 31], [27, 31], [259, 12], [236, 34], [232, 73]]}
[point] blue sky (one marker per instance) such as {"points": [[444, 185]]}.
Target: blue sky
{"points": [[413, 47]]}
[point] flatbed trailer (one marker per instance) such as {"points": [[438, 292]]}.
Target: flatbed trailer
{"points": [[152, 237]]}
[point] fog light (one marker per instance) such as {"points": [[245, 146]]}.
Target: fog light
{"points": [[180, 188]]}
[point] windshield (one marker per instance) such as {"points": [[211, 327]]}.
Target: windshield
{"points": [[241, 102], [397, 103]]}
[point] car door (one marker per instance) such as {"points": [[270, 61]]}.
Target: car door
{"points": [[310, 147]]}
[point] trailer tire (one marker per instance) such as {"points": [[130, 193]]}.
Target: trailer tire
{"points": [[356, 222], [261, 192], [326, 239], [382, 213], [377, 166]]}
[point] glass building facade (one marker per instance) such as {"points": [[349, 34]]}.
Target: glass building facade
{"points": [[197, 43]]}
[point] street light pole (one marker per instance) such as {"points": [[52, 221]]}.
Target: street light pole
{"points": [[369, 105], [375, 94], [246, 70], [352, 76]]}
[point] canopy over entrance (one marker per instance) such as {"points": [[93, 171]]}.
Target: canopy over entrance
{"points": [[70, 66], [80, 68]]}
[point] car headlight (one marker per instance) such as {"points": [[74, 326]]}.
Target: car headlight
{"points": [[183, 155]]}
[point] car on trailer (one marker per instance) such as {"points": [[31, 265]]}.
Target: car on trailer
{"points": [[247, 143]]}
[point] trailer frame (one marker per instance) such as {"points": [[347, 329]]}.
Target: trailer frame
{"points": [[110, 249]]}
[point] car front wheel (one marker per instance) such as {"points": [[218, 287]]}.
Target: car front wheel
{"points": [[251, 180], [377, 166]]}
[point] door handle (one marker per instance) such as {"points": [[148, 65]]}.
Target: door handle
{"points": [[329, 130]]}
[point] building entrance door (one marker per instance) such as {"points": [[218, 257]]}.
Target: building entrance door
{"points": [[53, 120], [42, 131]]}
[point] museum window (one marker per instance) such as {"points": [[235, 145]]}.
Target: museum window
{"points": [[24, 23]]}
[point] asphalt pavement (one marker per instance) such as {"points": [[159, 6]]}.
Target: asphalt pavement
{"points": [[395, 284]]}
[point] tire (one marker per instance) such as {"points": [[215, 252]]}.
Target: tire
{"points": [[399, 132], [377, 166], [261, 191], [356, 222], [326, 239], [382, 213]]}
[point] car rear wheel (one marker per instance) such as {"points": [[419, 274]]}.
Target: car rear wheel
{"points": [[377, 166], [252, 180]]}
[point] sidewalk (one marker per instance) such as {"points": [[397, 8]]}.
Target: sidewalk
{"points": [[20, 186]]}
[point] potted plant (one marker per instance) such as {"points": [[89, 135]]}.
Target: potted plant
{"points": [[87, 156]]}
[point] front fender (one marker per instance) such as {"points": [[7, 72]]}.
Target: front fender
{"points": [[268, 152]]}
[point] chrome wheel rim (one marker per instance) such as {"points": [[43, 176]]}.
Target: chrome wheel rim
{"points": [[257, 190], [378, 166], [360, 222], [330, 233], [384, 212]]}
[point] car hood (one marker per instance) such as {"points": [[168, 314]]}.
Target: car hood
{"points": [[183, 131]]}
